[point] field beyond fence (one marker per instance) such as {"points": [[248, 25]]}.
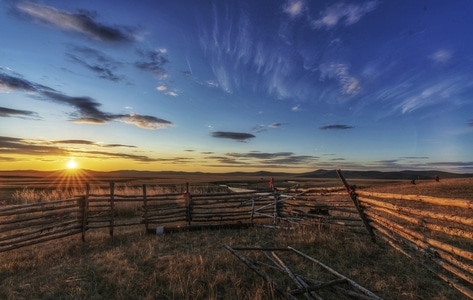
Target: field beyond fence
{"points": [[434, 231]]}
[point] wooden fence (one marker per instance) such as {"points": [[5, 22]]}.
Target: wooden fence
{"points": [[437, 232], [24, 225]]}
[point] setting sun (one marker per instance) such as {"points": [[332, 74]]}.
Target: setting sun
{"points": [[71, 164]]}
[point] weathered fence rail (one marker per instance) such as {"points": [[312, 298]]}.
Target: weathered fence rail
{"points": [[25, 225], [437, 232]]}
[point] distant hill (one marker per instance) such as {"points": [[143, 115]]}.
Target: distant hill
{"points": [[407, 174], [123, 175]]}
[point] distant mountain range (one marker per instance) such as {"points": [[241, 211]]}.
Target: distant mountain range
{"points": [[406, 174], [321, 173]]}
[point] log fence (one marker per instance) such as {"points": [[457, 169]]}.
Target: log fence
{"points": [[437, 232]]}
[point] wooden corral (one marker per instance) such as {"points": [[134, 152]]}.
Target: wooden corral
{"points": [[436, 232]]}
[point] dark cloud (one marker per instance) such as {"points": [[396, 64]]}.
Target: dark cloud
{"points": [[86, 108], [91, 143], [238, 136], [9, 145], [95, 61], [470, 123], [75, 142], [7, 159], [118, 146], [108, 155], [10, 112], [261, 155], [153, 61], [276, 125], [9, 82], [82, 22], [264, 159], [336, 127]]}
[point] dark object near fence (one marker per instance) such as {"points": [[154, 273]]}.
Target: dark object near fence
{"points": [[324, 211]]}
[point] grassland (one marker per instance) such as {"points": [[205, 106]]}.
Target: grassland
{"points": [[194, 265]]}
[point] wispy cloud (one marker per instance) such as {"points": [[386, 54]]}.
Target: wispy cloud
{"points": [[153, 61], [87, 109], [294, 8], [349, 84], [431, 95], [441, 56], [95, 61], [238, 136], [341, 12], [91, 143], [336, 127], [143, 121], [82, 22]]}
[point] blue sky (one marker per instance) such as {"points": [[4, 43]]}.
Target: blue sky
{"points": [[219, 86]]}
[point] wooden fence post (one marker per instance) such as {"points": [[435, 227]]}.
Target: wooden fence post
{"points": [[252, 210], [351, 192], [188, 201], [276, 206], [145, 207], [112, 207], [85, 208]]}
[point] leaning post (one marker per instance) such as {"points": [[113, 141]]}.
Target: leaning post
{"points": [[276, 203], [351, 192]]}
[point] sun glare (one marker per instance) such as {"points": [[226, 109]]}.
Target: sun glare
{"points": [[71, 164]]}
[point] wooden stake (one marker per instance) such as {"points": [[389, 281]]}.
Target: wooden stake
{"points": [[85, 207], [112, 207], [145, 207]]}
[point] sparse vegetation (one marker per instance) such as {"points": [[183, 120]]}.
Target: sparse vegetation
{"points": [[194, 265]]}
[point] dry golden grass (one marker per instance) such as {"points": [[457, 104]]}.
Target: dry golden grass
{"points": [[460, 188], [194, 265]]}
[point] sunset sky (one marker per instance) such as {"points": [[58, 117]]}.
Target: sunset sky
{"points": [[221, 86]]}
